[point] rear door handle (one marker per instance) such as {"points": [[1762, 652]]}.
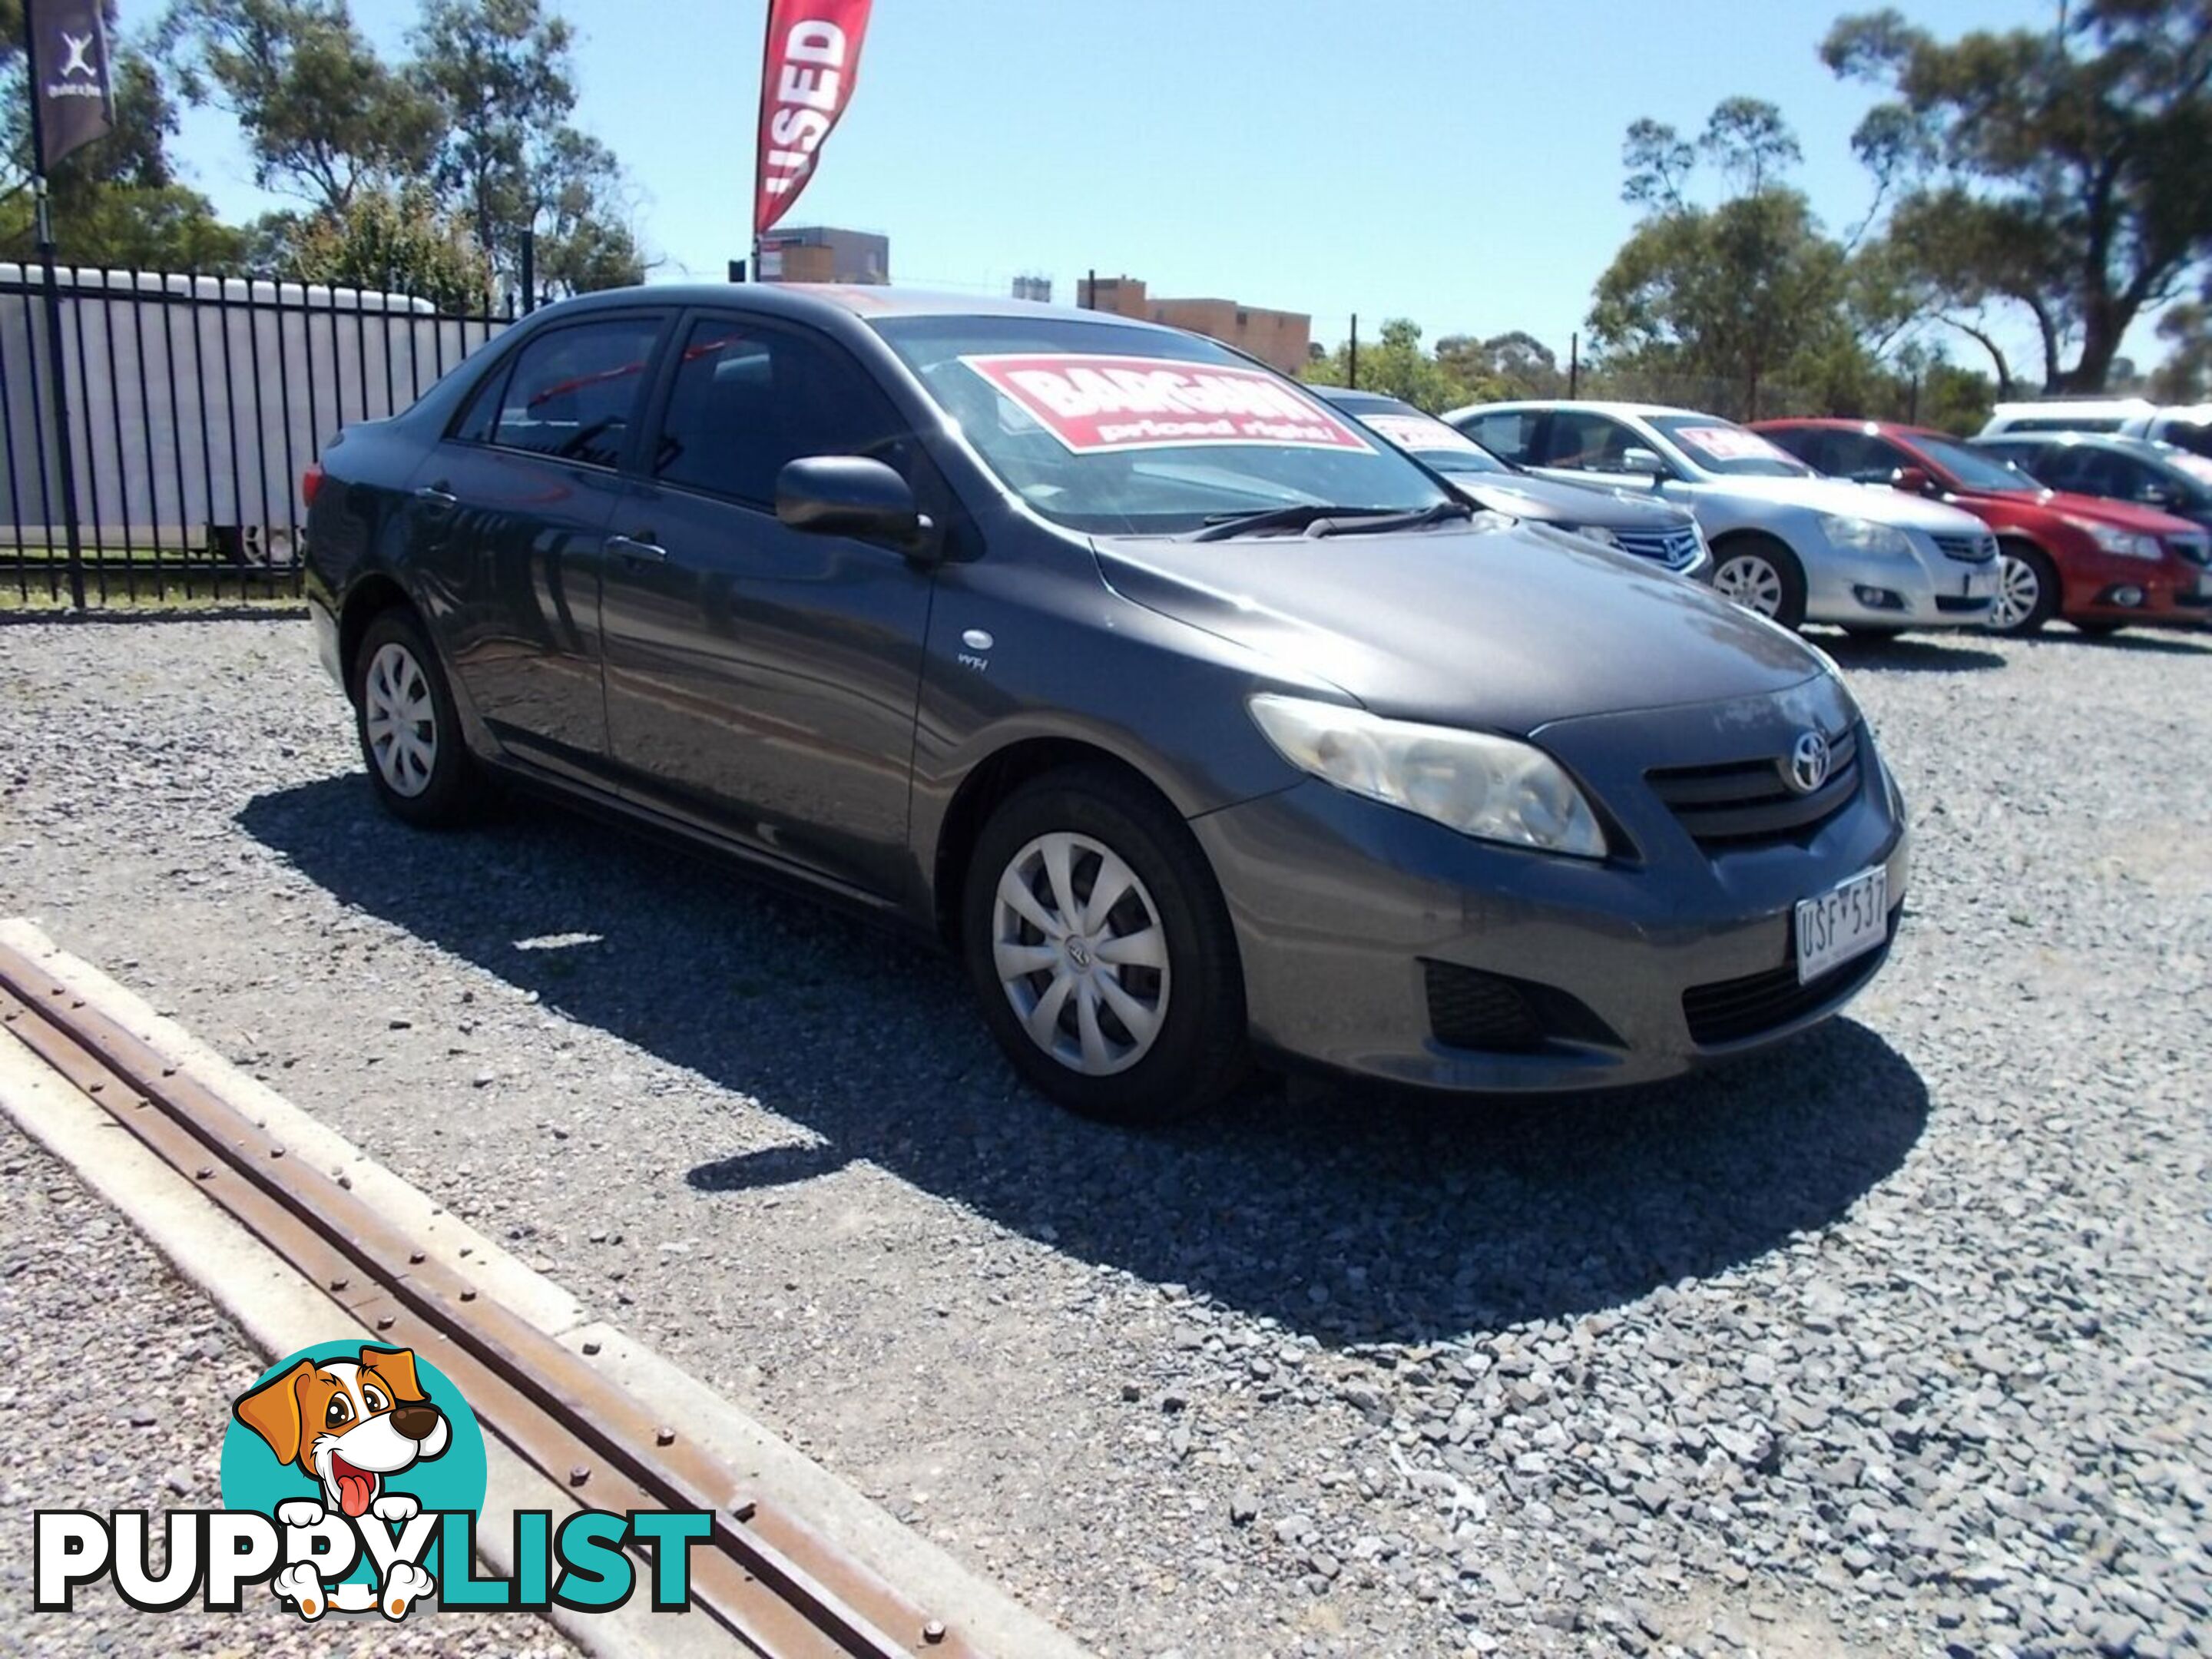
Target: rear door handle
{"points": [[634, 548], [437, 494]]}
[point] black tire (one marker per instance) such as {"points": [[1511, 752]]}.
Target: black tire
{"points": [[2037, 566], [1199, 1049], [450, 792], [1788, 576]]}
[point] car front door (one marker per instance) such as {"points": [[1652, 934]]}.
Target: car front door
{"points": [[761, 681], [508, 520]]}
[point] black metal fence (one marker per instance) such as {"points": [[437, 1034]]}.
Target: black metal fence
{"points": [[193, 404]]}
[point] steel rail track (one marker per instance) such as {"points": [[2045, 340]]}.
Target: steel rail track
{"points": [[773, 1582]]}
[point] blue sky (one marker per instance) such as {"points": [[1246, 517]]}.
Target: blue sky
{"points": [[1456, 161]]}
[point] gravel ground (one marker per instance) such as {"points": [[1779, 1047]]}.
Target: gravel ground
{"points": [[1895, 1342], [115, 1380]]}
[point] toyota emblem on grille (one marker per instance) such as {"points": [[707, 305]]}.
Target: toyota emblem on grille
{"points": [[1806, 769]]}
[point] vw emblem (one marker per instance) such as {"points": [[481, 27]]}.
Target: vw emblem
{"points": [[1806, 769]]}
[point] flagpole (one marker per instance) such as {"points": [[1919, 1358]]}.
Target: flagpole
{"points": [[768, 41], [57, 364]]}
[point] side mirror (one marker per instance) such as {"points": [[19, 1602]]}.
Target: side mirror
{"points": [[850, 495], [1647, 462], [1914, 479]]}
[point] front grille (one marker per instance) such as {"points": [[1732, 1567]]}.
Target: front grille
{"points": [[1673, 548], [1471, 1009], [1750, 803], [1952, 601], [2193, 550], [1969, 549], [1731, 1010]]}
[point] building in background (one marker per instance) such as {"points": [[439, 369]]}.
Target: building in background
{"points": [[1038, 289], [1281, 339], [821, 253]]}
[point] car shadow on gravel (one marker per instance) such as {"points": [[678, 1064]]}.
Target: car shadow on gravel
{"points": [[1910, 654], [1353, 1215], [2165, 644]]}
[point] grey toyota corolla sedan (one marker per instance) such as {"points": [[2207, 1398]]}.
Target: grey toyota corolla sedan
{"points": [[1203, 725]]}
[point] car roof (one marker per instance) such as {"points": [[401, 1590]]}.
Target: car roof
{"points": [[1589, 406], [2093, 406], [818, 300]]}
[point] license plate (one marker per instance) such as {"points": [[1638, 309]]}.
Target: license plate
{"points": [[1847, 921]]}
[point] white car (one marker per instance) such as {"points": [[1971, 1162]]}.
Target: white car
{"points": [[1789, 544], [2188, 426]]}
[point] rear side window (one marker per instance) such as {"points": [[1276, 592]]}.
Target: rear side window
{"points": [[574, 392], [2196, 436], [747, 399], [1505, 435], [1857, 456]]}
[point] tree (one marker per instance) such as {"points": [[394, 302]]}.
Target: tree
{"points": [[2061, 171], [323, 115], [1731, 293], [2185, 376], [510, 159], [1514, 365], [116, 201], [394, 242], [1395, 366]]}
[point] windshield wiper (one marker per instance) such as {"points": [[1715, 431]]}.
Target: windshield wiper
{"points": [[1428, 515], [1222, 525]]}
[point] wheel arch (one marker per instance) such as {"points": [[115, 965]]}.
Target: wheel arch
{"points": [[990, 782], [368, 599]]}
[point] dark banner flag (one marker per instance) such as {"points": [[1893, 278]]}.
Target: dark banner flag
{"points": [[73, 101], [812, 60]]}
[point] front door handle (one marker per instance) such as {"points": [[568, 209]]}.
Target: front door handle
{"points": [[437, 494], [636, 548]]}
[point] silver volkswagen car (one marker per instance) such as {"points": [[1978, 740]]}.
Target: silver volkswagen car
{"points": [[1787, 543]]}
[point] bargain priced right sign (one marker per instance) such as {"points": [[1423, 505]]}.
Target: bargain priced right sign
{"points": [[1093, 405]]}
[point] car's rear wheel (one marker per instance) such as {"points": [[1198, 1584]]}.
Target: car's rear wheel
{"points": [[1101, 951], [2027, 590], [1764, 577], [418, 763]]}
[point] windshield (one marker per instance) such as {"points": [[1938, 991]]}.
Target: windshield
{"points": [[1715, 446], [1446, 448], [1111, 430], [1977, 469]]}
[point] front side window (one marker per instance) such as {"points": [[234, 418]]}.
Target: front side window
{"points": [[574, 391], [1112, 429], [1863, 458], [1583, 442], [748, 399]]}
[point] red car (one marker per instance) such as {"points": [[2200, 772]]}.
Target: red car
{"points": [[2099, 563]]}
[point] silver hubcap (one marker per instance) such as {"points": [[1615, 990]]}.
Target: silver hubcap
{"points": [[1752, 583], [400, 720], [1081, 953], [2017, 593]]}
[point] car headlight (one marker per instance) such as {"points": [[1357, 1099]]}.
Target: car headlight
{"points": [[1881, 541], [2122, 544], [1491, 788]]}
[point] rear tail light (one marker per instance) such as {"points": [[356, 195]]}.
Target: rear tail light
{"points": [[311, 483]]}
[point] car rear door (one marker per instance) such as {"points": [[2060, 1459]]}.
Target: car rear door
{"points": [[509, 521], [761, 681]]}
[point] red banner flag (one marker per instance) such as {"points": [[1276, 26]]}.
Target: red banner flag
{"points": [[812, 62]]}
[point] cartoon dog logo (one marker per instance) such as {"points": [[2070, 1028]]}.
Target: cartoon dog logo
{"points": [[349, 1425]]}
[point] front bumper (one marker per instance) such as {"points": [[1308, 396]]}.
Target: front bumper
{"points": [[1354, 919], [2173, 593], [1927, 590]]}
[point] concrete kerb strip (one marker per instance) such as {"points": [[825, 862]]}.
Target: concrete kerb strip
{"points": [[275, 1307]]}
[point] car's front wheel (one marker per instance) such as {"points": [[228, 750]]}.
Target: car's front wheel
{"points": [[1764, 577], [1101, 951], [2027, 590], [410, 739]]}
